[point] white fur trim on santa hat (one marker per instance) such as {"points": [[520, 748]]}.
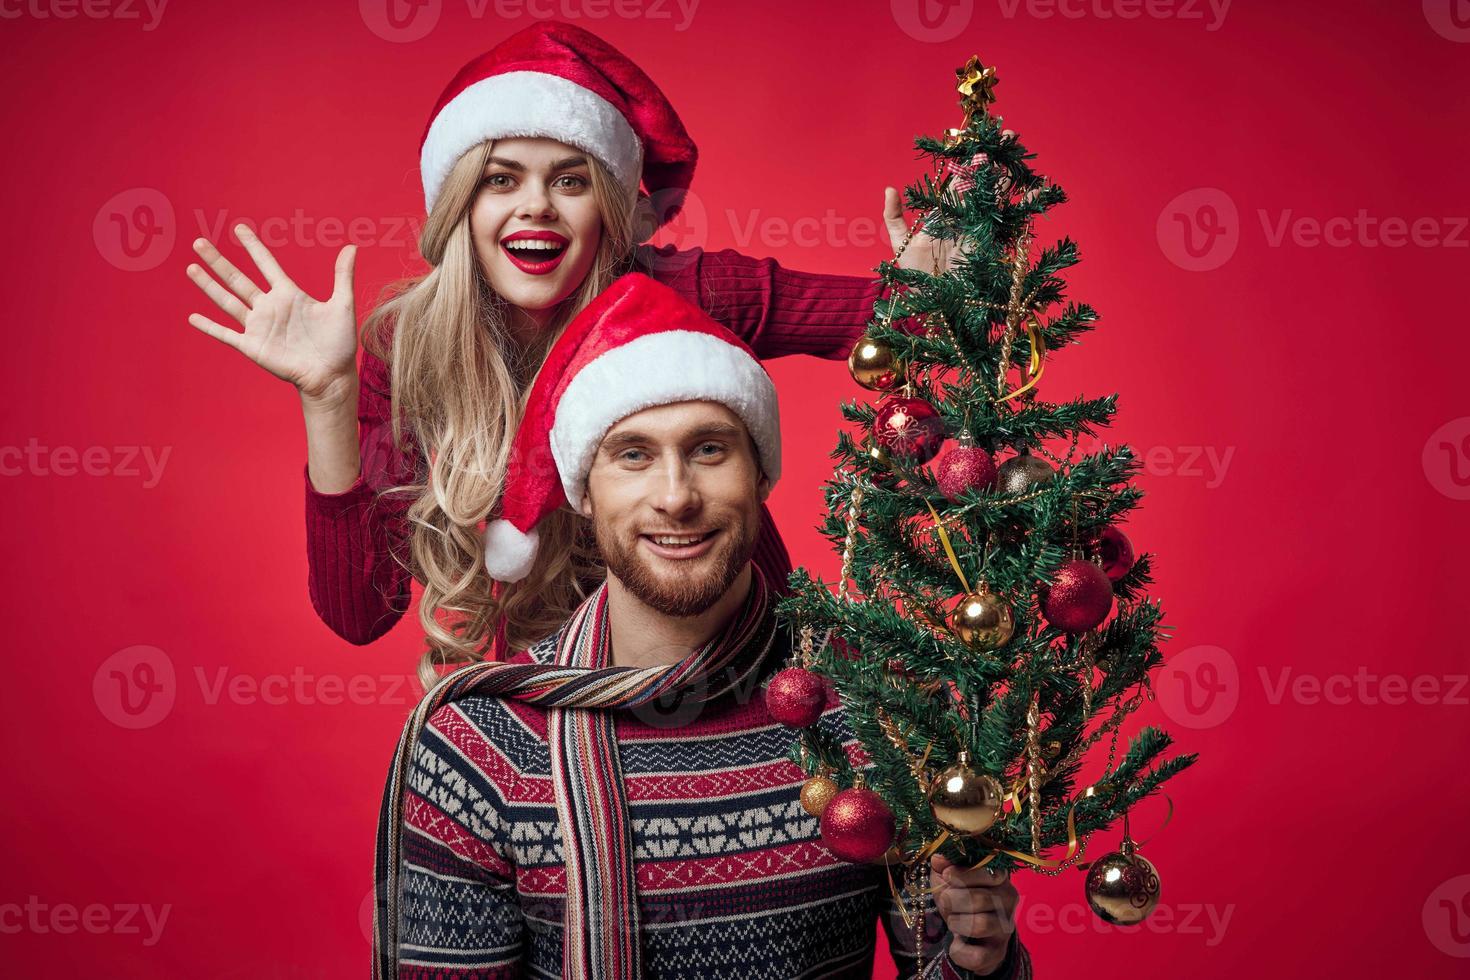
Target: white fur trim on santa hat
{"points": [[509, 553], [529, 103], [661, 369]]}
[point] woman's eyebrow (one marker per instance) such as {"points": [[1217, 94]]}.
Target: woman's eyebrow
{"points": [[519, 167]]}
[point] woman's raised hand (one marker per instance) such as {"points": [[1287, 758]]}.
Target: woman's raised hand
{"points": [[309, 343], [923, 252]]}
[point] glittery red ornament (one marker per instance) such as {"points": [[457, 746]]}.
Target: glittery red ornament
{"points": [[1114, 550], [910, 428], [795, 697], [857, 825], [1080, 597], [964, 468]]}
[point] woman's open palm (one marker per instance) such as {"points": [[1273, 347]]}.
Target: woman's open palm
{"points": [[309, 343]]}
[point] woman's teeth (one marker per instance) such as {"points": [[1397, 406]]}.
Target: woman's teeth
{"points": [[535, 249]]}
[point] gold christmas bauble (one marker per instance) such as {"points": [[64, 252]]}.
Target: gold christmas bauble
{"points": [[1022, 473], [983, 620], [874, 365], [964, 801], [1123, 887], [816, 793]]}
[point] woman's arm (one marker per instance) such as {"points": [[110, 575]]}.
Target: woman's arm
{"points": [[777, 311], [357, 586]]}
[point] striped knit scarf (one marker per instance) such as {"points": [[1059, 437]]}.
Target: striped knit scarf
{"points": [[601, 934]]}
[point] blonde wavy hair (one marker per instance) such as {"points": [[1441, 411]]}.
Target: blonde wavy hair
{"points": [[459, 383]]}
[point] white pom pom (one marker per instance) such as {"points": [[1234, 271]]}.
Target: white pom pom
{"points": [[509, 553]]}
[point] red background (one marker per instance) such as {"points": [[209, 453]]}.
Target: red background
{"points": [[1324, 832]]}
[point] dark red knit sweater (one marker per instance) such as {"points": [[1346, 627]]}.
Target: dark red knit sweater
{"points": [[360, 590]]}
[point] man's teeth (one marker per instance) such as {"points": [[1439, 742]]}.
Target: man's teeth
{"points": [[677, 540]]}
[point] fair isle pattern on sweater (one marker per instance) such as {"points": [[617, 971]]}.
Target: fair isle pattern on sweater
{"points": [[733, 879]]}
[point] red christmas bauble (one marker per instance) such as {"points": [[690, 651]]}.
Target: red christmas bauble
{"points": [[964, 468], [910, 428], [857, 825], [795, 697], [1114, 550], [1079, 598]]}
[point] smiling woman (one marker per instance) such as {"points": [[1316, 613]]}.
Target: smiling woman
{"points": [[541, 163], [536, 223]]}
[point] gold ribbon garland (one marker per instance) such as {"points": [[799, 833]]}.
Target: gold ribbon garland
{"points": [[1038, 357]]}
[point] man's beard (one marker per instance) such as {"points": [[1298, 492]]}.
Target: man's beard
{"points": [[685, 595]]}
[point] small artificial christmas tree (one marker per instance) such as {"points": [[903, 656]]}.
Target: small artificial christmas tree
{"points": [[990, 626]]}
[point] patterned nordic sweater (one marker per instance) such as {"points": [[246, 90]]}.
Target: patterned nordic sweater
{"points": [[733, 879]]}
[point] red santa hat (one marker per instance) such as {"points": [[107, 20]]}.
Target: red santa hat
{"points": [[637, 345], [568, 84]]}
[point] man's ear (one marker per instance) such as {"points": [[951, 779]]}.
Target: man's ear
{"points": [[585, 507], [763, 486]]}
